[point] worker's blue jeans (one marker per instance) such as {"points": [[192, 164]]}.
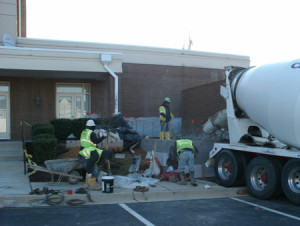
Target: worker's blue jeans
{"points": [[84, 161], [164, 126], [186, 158]]}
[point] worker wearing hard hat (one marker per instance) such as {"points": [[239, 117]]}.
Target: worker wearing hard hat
{"points": [[186, 150], [90, 155], [165, 117]]}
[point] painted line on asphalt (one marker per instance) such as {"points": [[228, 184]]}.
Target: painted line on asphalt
{"points": [[266, 208], [136, 215]]}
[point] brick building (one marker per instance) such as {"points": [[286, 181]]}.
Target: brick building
{"points": [[198, 104], [45, 79]]}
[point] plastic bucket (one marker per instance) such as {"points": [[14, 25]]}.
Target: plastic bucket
{"points": [[107, 184]]}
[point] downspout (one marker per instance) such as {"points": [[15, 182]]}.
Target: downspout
{"points": [[106, 59], [20, 19]]}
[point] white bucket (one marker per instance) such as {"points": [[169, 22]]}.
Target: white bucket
{"points": [[107, 184]]}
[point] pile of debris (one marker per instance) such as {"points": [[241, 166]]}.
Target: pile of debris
{"points": [[128, 158], [120, 137]]}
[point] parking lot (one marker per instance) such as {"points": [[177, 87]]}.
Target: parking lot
{"points": [[221, 211]]}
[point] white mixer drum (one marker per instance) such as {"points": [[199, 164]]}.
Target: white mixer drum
{"points": [[270, 96]]}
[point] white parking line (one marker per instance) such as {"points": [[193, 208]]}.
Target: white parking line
{"points": [[135, 214], [266, 208]]}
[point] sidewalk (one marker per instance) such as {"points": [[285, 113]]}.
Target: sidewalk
{"points": [[163, 191]]}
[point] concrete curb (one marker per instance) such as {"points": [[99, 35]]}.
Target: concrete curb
{"points": [[129, 196]]}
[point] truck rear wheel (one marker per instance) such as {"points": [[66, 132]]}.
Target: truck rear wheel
{"points": [[263, 177], [290, 180], [244, 160], [228, 168]]}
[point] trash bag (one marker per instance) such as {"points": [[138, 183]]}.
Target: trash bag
{"points": [[119, 126], [129, 137], [153, 169], [173, 158], [118, 121]]}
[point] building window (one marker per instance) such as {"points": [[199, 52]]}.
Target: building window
{"points": [[72, 100]]}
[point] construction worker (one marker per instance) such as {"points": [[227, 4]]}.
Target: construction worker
{"points": [[165, 117], [185, 150], [90, 155]]}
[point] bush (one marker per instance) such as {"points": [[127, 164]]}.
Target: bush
{"points": [[62, 128], [44, 146], [78, 126], [42, 129]]}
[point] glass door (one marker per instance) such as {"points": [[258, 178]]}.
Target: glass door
{"points": [[65, 106], [72, 100], [78, 108], [4, 112], [70, 106]]}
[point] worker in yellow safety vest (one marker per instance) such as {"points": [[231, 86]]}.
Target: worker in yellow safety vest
{"points": [[90, 155], [165, 117], [186, 150]]}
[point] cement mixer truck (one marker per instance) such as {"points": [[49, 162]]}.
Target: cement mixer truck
{"points": [[262, 117]]}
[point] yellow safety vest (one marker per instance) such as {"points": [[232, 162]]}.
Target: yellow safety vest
{"points": [[162, 109], [184, 144], [86, 152], [85, 139]]}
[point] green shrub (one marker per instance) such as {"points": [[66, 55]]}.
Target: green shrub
{"points": [[78, 126], [44, 146], [62, 128], [42, 129]]}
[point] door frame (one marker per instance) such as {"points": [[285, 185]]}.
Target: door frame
{"points": [[7, 134]]}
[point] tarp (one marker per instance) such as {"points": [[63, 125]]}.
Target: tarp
{"points": [[117, 124]]}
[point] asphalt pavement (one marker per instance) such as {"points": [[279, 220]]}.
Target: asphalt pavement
{"points": [[246, 211]]}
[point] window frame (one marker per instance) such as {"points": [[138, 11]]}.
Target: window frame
{"points": [[82, 94]]}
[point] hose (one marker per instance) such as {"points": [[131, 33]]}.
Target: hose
{"points": [[55, 199], [36, 202], [75, 202]]}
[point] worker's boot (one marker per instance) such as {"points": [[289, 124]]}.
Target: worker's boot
{"points": [[161, 135], [167, 135], [182, 179], [92, 184], [192, 177]]}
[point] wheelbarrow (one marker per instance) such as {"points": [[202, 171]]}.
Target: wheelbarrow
{"points": [[62, 167]]}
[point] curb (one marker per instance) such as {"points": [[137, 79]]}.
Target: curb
{"points": [[128, 197]]}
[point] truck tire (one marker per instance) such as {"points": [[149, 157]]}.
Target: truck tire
{"points": [[280, 166], [263, 177], [244, 159], [228, 168], [290, 180]]}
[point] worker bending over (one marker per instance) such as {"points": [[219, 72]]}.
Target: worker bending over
{"points": [[185, 150], [165, 117], [90, 155]]}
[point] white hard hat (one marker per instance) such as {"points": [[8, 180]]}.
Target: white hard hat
{"points": [[90, 123]]}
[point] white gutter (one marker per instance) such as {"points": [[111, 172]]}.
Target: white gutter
{"points": [[20, 19], [106, 59]]}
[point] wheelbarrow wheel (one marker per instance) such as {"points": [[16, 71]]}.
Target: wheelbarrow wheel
{"points": [[73, 180]]}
